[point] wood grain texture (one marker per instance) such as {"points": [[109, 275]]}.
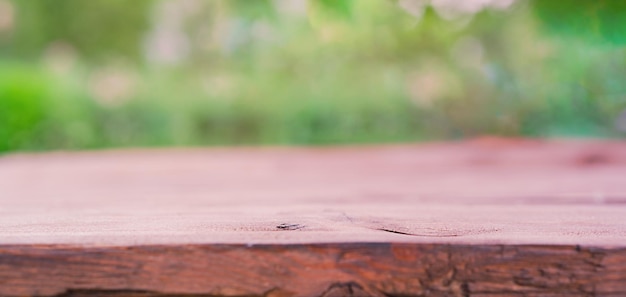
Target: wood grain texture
{"points": [[359, 269], [488, 217]]}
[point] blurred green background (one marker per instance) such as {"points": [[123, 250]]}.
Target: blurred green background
{"points": [[77, 74]]}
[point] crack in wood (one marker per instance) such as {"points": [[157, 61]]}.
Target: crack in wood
{"points": [[465, 289], [349, 289], [416, 234], [285, 226]]}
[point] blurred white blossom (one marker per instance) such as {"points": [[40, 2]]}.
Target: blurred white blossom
{"points": [[168, 42], [295, 7], [112, 86], [453, 9], [469, 51], [60, 57], [413, 7], [7, 16], [430, 83]]}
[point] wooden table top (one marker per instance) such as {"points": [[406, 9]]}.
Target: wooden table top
{"points": [[487, 216]]}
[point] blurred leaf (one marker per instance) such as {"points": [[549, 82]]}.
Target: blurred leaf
{"points": [[597, 21], [338, 8], [23, 91]]}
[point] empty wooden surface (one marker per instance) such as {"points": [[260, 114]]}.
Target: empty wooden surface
{"points": [[487, 217]]}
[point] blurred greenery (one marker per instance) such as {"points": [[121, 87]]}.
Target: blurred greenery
{"points": [[596, 21], [78, 74], [95, 28]]}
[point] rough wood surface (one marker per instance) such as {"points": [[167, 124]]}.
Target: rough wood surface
{"points": [[488, 217], [359, 269]]}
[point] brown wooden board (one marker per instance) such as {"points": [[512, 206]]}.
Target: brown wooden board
{"points": [[488, 217]]}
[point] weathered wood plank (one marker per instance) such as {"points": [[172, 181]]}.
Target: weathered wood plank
{"points": [[479, 218], [598, 225], [365, 269]]}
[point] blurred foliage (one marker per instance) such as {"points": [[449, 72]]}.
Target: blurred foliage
{"points": [[601, 21], [96, 29], [80, 74], [22, 108]]}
